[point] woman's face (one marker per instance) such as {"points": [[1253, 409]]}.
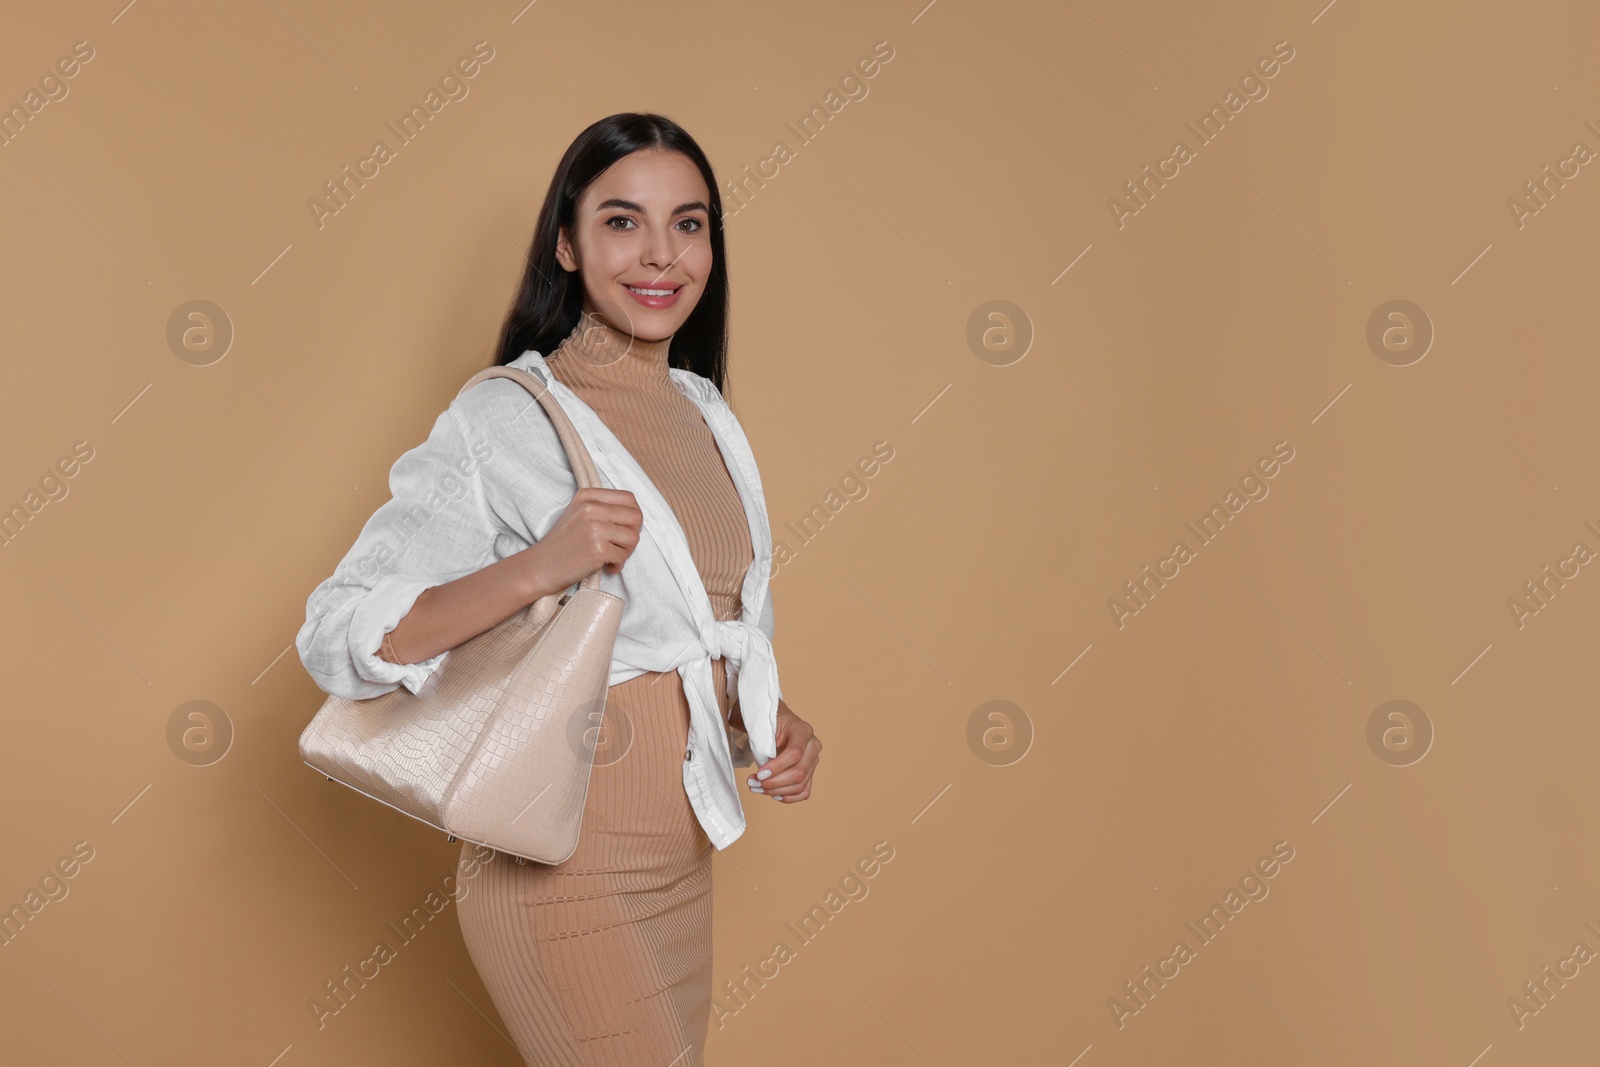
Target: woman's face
{"points": [[642, 224]]}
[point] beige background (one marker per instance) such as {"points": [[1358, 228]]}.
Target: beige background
{"points": [[1229, 715]]}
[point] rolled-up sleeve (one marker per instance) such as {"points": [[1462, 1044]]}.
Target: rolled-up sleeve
{"points": [[435, 527]]}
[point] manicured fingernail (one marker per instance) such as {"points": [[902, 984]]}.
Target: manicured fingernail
{"points": [[775, 796], [764, 775], [757, 789]]}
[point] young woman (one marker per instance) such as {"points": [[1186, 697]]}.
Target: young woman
{"points": [[606, 957]]}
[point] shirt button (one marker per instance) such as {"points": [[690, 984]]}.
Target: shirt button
{"points": [[688, 752]]}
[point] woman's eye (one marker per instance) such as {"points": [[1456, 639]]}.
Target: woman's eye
{"points": [[695, 224]]}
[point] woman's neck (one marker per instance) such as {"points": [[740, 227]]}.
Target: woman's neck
{"points": [[601, 347]]}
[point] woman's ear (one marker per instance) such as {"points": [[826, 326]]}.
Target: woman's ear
{"points": [[564, 254]]}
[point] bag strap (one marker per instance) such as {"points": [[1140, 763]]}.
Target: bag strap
{"points": [[578, 458]]}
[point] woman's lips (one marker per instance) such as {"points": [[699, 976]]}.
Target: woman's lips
{"points": [[656, 302]]}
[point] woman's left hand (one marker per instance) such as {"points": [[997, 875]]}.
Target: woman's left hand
{"points": [[787, 776]]}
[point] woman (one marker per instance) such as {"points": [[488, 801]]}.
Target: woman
{"points": [[606, 957]]}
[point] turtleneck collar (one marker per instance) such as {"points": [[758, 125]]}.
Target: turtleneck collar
{"points": [[611, 352]]}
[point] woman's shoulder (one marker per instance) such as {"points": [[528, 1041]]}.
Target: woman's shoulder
{"points": [[505, 414], [497, 394]]}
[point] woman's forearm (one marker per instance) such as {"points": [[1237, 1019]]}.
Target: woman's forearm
{"points": [[444, 616], [599, 528]]}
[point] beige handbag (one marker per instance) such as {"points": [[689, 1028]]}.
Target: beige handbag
{"points": [[498, 744]]}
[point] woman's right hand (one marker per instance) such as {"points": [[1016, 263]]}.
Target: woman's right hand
{"points": [[599, 527]]}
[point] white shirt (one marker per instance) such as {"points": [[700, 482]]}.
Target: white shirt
{"points": [[489, 481]]}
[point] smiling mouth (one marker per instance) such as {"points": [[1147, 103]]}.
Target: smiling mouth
{"points": [[652, 290]]}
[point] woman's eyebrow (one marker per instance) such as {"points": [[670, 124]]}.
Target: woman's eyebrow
{"points": [[629, 205]]}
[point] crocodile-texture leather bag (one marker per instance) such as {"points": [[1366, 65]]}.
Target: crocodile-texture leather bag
{"points": [[497, 745]]}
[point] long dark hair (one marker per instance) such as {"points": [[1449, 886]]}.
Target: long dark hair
{"points": [[549, 302]]}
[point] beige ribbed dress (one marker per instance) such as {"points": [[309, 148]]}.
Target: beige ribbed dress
{"points": [[606, 958]]}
